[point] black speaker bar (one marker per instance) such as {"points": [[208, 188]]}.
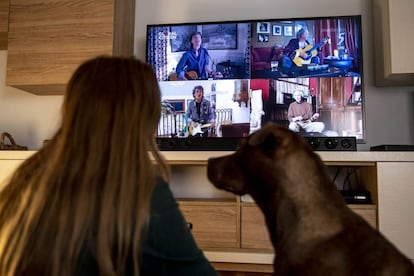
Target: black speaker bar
{"points": [[332, 143], [230, 144], [197, 144]]}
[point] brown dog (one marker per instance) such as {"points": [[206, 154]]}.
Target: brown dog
{"points": [[311, 228]]}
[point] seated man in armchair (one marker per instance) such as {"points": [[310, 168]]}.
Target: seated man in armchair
{"points": [[299, 52], [301, 116]]}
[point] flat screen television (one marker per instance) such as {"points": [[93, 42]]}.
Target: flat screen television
{"points": [[251, 74]]}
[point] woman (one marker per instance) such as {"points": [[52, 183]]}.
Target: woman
{"points": [[90, 202]]}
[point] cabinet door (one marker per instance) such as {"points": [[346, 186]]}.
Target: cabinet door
{"points": [[396, 204], [214, 224], [393, 20], [254, 234], [48, 40], [6, 168]]}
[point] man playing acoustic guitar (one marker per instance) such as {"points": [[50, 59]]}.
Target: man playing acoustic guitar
{"points": [[194, 63], [299, 51]]}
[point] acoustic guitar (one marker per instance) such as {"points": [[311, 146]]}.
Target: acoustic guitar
{"points": [[190, 75], [310, 50]]}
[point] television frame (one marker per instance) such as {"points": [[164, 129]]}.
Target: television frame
{"points": [[282, 24]]}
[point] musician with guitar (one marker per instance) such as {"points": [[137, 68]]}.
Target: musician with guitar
{"points": [[300, 51], [194, 63], [200, 114], [301, 116]]}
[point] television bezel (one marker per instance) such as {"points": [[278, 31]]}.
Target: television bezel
{"points": [[229, 144]]}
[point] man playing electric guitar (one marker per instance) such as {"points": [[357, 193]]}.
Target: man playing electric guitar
{"points": [[200, 114]]}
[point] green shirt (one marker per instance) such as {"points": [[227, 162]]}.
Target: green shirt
{"points": [[168, 247]]}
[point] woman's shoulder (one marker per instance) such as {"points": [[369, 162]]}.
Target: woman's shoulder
{"points": [[162, 198]]}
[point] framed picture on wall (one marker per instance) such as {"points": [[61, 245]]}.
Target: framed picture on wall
{"points": [[177, 104], [262, 38], [288, 30], [263, 27], [299, 25], [277, 30], [220, 36], [182, 42]]}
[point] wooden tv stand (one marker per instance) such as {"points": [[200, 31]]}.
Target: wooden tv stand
{"points": [[231, 231]]}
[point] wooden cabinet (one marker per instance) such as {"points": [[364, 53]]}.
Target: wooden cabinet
{"points": [[6, 168], [214, 224], [393, 26], [9, 161], [396, 204], [254, 233], [232, 231], [48, 39]]}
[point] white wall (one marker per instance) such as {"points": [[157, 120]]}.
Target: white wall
{"points": [[389, 111], [30, 119]]}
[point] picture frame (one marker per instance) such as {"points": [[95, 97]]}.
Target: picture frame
{"points": [[219, 36], [182, 41], [263, 27], [288, 30], [277, 30], [300, 25], [178, 104], [262, 38]]}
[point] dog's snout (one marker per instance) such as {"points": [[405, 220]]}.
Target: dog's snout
{"points": [[213, 172]]}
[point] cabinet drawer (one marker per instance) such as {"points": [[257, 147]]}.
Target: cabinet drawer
{"points": [[214, 224], [367, 212], [254, 233]]}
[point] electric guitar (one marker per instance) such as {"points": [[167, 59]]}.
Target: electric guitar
{"points": [[197, 129], [310, 50]]}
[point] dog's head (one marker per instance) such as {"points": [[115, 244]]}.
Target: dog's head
{"points": [[267, 157]]}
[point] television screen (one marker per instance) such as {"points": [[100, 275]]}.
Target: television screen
{"points": [[221, 81]]}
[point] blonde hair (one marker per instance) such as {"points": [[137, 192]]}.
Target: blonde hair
{"points": [[89, 188]]}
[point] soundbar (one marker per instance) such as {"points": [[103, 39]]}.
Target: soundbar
{"points": [[230, 144], [197, 144], [347, 143]]}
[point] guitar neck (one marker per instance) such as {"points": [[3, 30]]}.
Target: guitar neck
{"points": [[318, 45]]}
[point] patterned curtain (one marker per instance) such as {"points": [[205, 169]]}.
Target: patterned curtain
{"points": [[324, 28], [157, 51], [247, 53], [351, 40]]}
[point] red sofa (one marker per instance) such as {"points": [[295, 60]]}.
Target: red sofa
{"points": [[261, 57]]}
